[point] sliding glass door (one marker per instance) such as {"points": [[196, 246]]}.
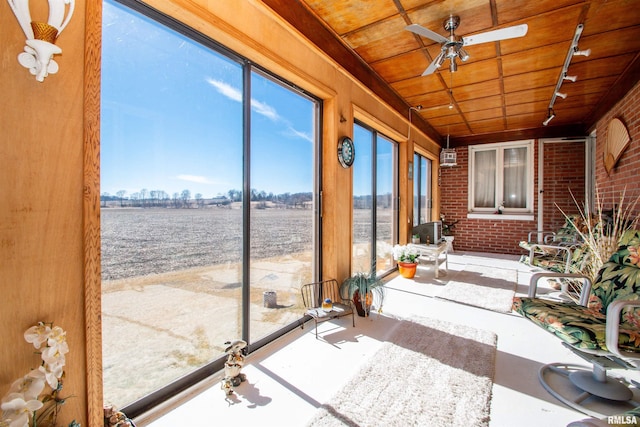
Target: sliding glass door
{"points": [[209, 211], [375, 216]]}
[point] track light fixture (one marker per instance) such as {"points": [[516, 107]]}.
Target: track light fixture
{"points": [[577, 52], [550, 116], [573, 50]]}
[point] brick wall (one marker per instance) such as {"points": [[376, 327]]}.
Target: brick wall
{"points": [[564, 174], [563, 170], [625, 173], [564, 180]]}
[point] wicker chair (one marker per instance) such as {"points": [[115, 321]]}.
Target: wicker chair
{"points": [[313, 294]]}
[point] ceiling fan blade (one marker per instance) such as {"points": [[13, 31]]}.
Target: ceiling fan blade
{"points": [[492, 36], [435, 64], [431, 68], [420, 30]]}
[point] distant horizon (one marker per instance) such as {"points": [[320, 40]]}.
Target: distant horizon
{"points": [[172, 115]]}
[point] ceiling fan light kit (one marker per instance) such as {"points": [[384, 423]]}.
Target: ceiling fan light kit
{"points": [[453, 46]]}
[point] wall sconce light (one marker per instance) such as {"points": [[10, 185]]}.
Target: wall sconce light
{"points": [[40, 48], [550, 116], [561, 95], [570, 78]]}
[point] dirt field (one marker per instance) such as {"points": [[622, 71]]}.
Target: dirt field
{"points": [[172, 288], [137, 242], [172, 283]]}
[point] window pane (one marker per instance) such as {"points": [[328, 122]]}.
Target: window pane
{"points": [[171, 176], [421, 190], [416, 189], [362, 201], [425, 190], [282, 214], [385, 193], [515, 177], [484, 179]]}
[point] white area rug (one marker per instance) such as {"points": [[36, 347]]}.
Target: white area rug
{"points": [[485, 287], [429, 374]]}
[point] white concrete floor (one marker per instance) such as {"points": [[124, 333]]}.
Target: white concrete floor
{"points": [[289, 379]]}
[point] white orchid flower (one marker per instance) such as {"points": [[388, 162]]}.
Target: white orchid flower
{"points": [[49, 377], [37, 335], [31, 385], [58, 340], [19, 409]]}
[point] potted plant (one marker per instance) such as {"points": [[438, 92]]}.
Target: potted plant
{"points": [[407, 258], [415, 239], [365, 284]]}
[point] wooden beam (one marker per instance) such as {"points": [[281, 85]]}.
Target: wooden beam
{"points": [[516, 135]]}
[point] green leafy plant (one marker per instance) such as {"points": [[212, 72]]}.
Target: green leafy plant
{"points": [[601, 230], [372, 287], [600, 233]]}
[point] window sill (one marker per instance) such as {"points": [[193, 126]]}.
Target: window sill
{"points": [[492, 216]]}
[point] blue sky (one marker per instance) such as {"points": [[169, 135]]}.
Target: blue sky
{"points": [[172, 117]]}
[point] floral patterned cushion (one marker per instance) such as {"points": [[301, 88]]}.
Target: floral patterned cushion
{"points": [[620, 276], [584, 327]]}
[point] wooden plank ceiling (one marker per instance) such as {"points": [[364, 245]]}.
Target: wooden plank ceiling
{"points": [[503, 91]]}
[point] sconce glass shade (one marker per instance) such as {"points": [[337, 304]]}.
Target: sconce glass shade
{"points": [[453, 67], [463, 55], [41, 36]]}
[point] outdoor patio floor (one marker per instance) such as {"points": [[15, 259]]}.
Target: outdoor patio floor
{"points": [[290, 378]]}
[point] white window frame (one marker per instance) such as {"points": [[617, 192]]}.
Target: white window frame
{"points": [[525, 213]]}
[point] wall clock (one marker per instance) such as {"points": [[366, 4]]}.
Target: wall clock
{"points": [[346, 152]]}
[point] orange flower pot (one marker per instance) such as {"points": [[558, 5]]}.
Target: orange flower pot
{"points": [[407, 269]]}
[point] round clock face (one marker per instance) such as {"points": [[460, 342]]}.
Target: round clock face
{"points": [[346, 152]]}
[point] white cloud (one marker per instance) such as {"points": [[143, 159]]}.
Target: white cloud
{"points": [[299, 134], [265, 109], [226, 90], [194, 178], [236, 95]]}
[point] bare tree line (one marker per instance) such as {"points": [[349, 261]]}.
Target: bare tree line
{"points": [[161, 199]]}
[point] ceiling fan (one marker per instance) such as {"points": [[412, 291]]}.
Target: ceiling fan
{"points": [[452, 47]]}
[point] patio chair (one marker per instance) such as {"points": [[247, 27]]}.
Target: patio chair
{"points": [[313, 295], [603, 328], [559, 251]]}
